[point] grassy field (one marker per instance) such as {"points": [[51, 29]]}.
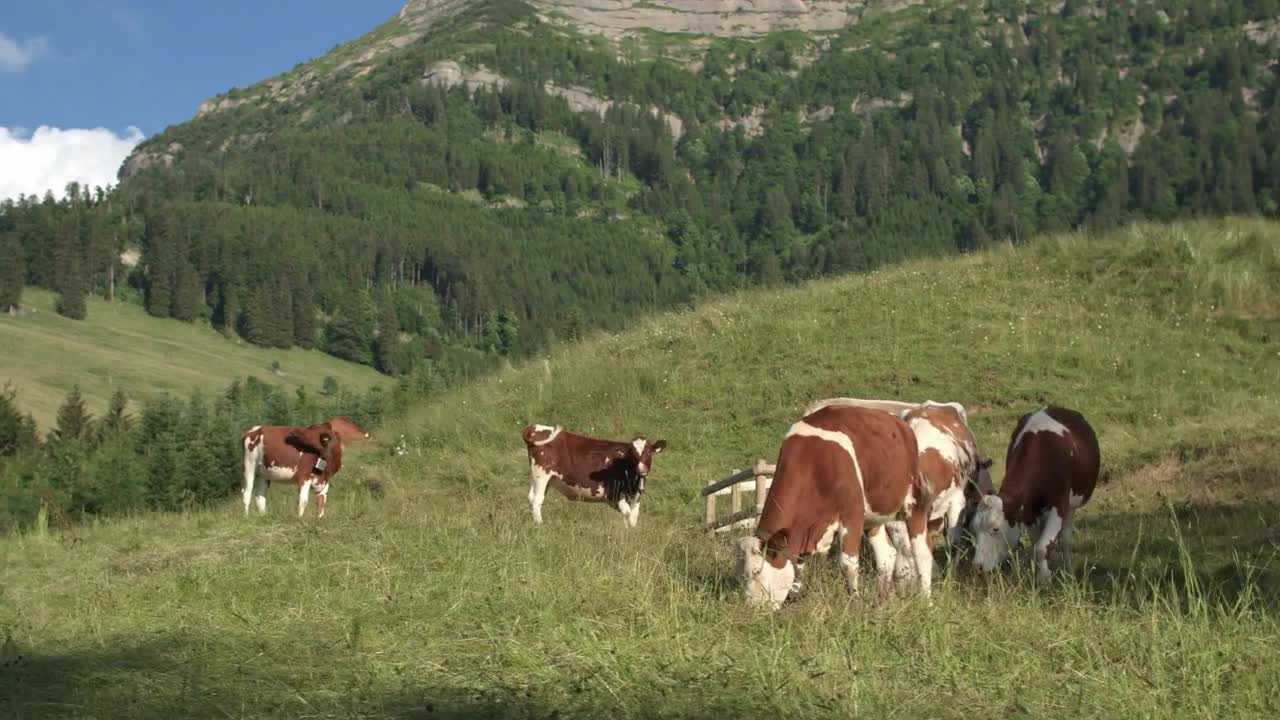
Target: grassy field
{"points": [[428, 593], [121, 346]]}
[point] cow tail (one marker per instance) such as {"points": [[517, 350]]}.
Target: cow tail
{"points": [[921, 488]]}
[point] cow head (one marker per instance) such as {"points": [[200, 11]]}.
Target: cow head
{"points": [[642, 452], [993, 536], [762, 583]]}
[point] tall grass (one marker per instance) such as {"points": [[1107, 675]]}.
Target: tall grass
{"points": [[428, 592]]}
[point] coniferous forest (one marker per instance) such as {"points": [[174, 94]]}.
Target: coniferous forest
{"points": [[402, 223]]}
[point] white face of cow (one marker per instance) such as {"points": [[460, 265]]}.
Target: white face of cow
{"points": [[643, 451], [762, 583], [993, 537]]}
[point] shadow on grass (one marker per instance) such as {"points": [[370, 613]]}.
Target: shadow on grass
{"points": [[1211, 554], [170, 677]]}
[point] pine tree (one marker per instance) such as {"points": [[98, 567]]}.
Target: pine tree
{"points": [[229, 312], [185, 300], [12, 272], [257, 319], [73, 294], [304, 313], [17, 429], [387, 347], [161, 265], [200, 470], [117, 421], [74, 422]]}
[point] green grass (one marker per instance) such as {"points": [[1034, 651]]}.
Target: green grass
{"points": [[121, 346], [428, 593]]}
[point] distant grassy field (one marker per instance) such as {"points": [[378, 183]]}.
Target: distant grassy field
{"points": [[119, 345], [427, 592]]}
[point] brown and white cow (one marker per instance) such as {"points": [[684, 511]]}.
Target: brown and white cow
{"points": [[949, 459], [839, 470], [309, 456], [1050, 472], [588, 469]]}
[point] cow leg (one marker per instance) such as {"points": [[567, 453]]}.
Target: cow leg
{"points": [[918, 531], [629, 516], [304, 494], [634, 516], [260, 491], [1050, 525], [538, 479], [250, 466], [953, 527], [886, 558], [850, 544], [322, 494], [1064, 539]]}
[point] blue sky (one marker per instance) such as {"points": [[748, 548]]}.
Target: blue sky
{"points": [[82, 81]]}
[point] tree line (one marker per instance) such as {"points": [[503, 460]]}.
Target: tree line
{"points": [[172, 454], [398, 224]]}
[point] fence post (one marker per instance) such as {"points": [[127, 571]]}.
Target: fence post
{"points": [[711, 508], [760, 489]]}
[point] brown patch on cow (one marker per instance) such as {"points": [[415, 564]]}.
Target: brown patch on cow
{"points": [[816, 485], [1044, 469]]}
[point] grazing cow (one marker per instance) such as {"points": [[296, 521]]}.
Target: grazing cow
{"points": [[1050, 472], [840, 469], [958, 475], [310, 456], [587, 469]]}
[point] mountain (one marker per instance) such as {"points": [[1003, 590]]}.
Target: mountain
{"points": [[474, 180]]}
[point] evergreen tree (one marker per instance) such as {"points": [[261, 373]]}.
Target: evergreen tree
{"points": [[185, 298], [304, 313], [205, 478], [257, 318], [161, 265], [73, 295], [17, 429], [229, 312], [74, 423], [387, 347], [12, 271], [117, 421]]}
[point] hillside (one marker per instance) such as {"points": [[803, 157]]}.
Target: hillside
{"points": [[427, 592], [491, 177], [45, 355]]}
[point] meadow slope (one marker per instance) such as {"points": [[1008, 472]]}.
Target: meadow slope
{"points": [[121, 346], [427, 592]]}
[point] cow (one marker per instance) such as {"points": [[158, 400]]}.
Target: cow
{"points": [[1050, 471], [958, 475], [839, 470], [309, 456], [588, 469]]}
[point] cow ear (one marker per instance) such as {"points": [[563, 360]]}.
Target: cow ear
{"points": [[657, 447]]}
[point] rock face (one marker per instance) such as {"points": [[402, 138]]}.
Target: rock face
{"points": [[721, 18], [447, 73]]}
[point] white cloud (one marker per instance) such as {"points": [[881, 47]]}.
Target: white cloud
{"points": [[49, 158], [16, 56]]}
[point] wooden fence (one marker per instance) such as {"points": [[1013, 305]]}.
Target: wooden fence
{"points": [[755, 480]]}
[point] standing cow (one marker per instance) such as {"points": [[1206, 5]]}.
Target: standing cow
{"points": [[840, 469], [588, 469], [1050, 472], [309, 456]]}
